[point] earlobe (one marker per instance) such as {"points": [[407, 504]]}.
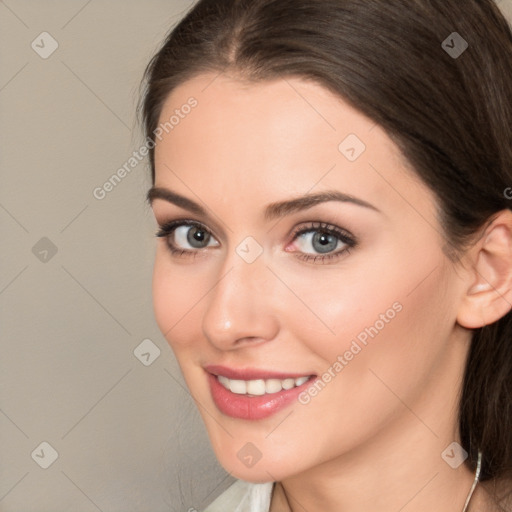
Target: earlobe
{"points": [[488, 296]]}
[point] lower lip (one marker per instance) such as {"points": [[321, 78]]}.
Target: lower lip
{"points": [[247, 407]]}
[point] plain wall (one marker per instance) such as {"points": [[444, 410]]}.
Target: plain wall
{"points": [[125, 433], [75, 278]]}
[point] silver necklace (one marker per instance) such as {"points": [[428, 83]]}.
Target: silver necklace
{"points": [[475, 481], [471, 491]]}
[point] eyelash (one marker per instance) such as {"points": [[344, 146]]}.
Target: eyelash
{"points": [[167, 229]]}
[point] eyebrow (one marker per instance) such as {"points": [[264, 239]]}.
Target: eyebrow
{"points": [[272, 211]]}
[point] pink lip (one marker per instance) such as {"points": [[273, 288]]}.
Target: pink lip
{"points": [[251, 407], [251, 373]]}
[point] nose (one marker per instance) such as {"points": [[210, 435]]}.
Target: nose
{"points": [[240, 305]]}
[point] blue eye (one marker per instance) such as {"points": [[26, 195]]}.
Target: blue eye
{"points": [[196, 237], [317, 242], [179, 234], [321, 242]]}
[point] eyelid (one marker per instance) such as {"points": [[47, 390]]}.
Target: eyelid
{"points": [[168, 228], [160, 210], [343, 234]]}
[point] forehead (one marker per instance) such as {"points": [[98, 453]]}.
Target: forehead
{"points": [[277, 139]]}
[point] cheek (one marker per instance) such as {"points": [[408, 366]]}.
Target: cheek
{"points": [[386, 316], [389, 342], [390, 334], [340, 305], [177, 292]]}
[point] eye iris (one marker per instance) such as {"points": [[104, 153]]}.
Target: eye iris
{"points": [[196, 237], [327, 242]]}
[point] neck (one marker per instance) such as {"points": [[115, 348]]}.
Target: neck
{"points": [[415, 483]]}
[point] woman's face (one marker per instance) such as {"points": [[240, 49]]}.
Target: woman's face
{"points": [[305, 248]]}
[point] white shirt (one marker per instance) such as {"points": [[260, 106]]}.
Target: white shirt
{"points": [[243, 497]]}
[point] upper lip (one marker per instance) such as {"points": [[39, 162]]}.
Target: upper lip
{"points": [[251, 373]]}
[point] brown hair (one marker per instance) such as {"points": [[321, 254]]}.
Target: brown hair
{"points": [[450, 115]]}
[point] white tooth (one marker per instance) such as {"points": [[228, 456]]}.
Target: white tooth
{"points": [[238, 386], [256, 387], [224, 381], [300, 381], [273, 386], [288, 383]]}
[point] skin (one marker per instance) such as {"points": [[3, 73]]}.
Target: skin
{"points": [[372, 439]]}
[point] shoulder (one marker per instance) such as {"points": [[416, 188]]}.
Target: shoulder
{"points": [[243, 497]]}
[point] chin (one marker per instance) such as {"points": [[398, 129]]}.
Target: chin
{"points": [[239, 464]]}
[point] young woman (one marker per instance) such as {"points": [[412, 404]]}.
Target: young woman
{"points": [[332, 180]]}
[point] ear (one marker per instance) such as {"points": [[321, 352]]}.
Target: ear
{"points": [[488, 296]]}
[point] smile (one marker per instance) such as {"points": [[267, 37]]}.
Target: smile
{"points": [[254, 394], [260, 387]]}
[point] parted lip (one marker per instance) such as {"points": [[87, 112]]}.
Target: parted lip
{"points": [[251, 373]]}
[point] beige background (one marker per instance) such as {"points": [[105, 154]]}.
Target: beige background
{"points": [[127, 435], [68, 375]]}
